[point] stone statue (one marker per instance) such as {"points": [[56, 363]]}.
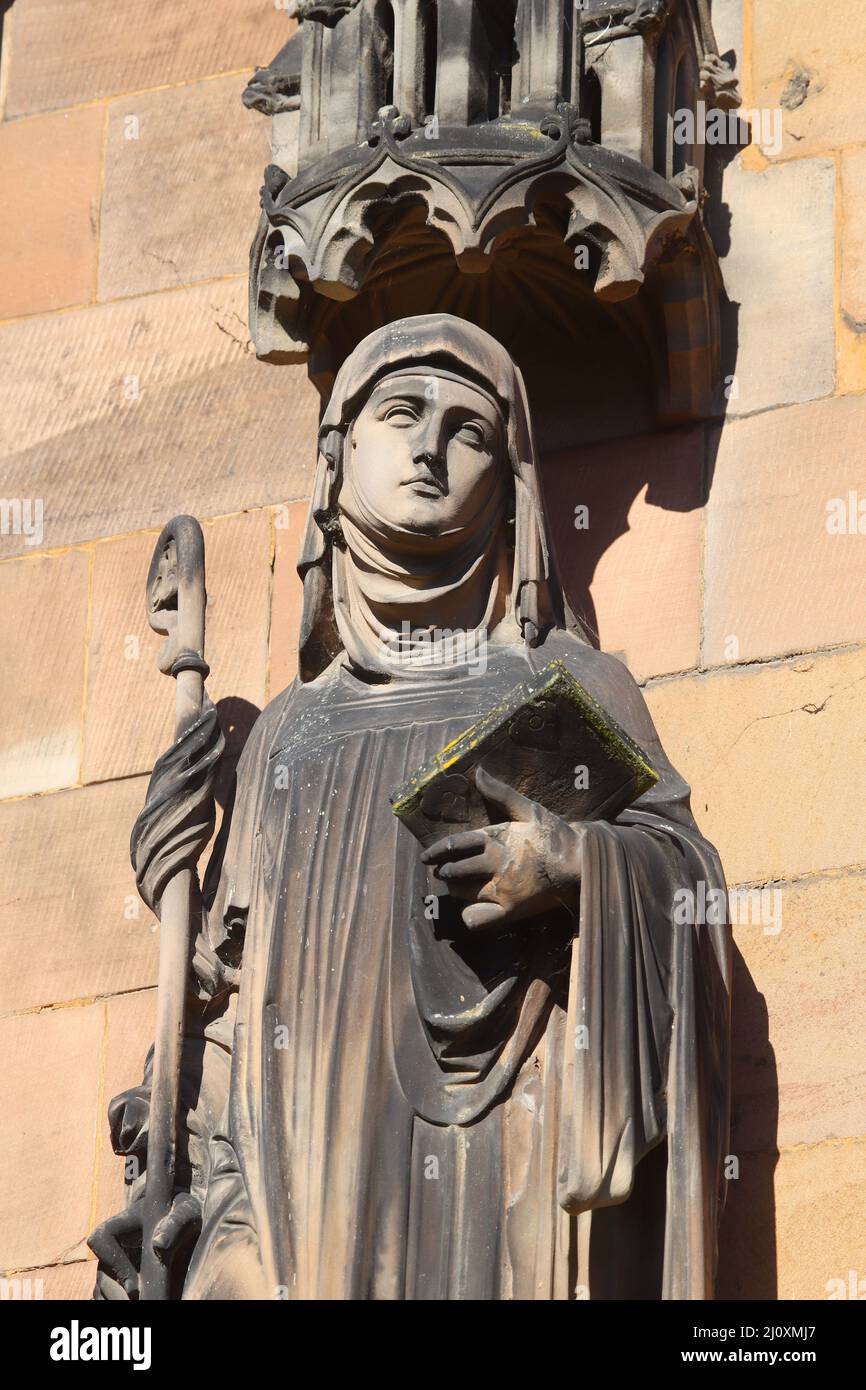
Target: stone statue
{"points": [[521, 1096]]}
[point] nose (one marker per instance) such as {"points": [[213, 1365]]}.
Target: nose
{"points": [[428, 443]]}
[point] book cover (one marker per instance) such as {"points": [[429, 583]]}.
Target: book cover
{"points": [[550, 740]]}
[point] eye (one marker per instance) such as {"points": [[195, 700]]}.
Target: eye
{"points": [[472, 433], [401, 413]]}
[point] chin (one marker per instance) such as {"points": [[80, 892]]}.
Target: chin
{"points": [[426, 520]]}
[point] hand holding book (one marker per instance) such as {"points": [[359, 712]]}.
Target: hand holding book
{"points": [[525, 866], [500, 809]]}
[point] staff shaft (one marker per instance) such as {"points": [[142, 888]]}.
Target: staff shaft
{"points": [[174, 955]]}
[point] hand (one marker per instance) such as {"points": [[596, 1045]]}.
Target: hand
{"points": [[526, 866], [129, 1120], [117, 1244]]}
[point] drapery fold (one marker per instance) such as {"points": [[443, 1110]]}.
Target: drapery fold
{"points": [[571, 1087], [646, 1055]]}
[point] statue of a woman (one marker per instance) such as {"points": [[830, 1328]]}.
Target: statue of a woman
{"points": [[522, 1093]]}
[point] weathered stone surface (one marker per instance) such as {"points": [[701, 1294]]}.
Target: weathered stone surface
{"points": [[66, 885], [774, 574], [373, 576], [288, 593], [809, 59], [347, 214], [798, 1064], [49, 1090], [196, 149], [852, 306], [773, 754], [46, 263], [634, 572], [793, 1223], [69, 51], [130, 1031], [778, 271], [728, 28], [130, 704], [854, 236], [44, 599], [66, 1283], [163, 390], [285, 129], [807, 1105]]}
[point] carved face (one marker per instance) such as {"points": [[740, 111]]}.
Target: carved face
{"points": [[426, 454]]}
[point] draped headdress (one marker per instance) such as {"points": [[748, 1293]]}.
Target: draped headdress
{"points": [[445, 346]]}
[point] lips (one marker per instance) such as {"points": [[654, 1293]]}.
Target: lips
{"points": [[425, 486]]}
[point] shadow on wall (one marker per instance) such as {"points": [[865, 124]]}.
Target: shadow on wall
{"points": [[676, 466], [747, 1240], [676, 470]]}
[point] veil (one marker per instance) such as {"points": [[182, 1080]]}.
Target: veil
{"points": [[446, 345]]}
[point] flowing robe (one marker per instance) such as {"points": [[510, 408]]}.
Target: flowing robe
{"points": [[416, 1111]]}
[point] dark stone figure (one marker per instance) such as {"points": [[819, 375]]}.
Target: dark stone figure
{"points": [[497, 1072]]}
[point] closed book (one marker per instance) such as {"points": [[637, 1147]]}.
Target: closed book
{"points": [[548, 738]]}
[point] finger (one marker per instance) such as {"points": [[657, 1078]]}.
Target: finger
{"points": [[515, 805], [128, 1123], [185, 1215], [106, 1246], [206, 965], [481, 915], [134, 1126], [475, 866], [468, 890], [108, 1290], [467, 842], [116, 1262]]}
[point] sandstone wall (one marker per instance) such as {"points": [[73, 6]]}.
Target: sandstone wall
{"points": [[130, 393]]}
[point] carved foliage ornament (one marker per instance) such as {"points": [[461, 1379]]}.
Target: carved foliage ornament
{"points": [[330, 231]]}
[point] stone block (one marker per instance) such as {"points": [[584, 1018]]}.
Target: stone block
{"points": [[799, 1016], [69, 1283], [854, 236], [775, 756], [49, 1089], [808, 59], [52, 162], [781, 575], [73, 925], [852, 305], [123, 415], [779, 273], [64, 52], [633, 571], [44, 600], [193, 156], [793, 1224]]}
